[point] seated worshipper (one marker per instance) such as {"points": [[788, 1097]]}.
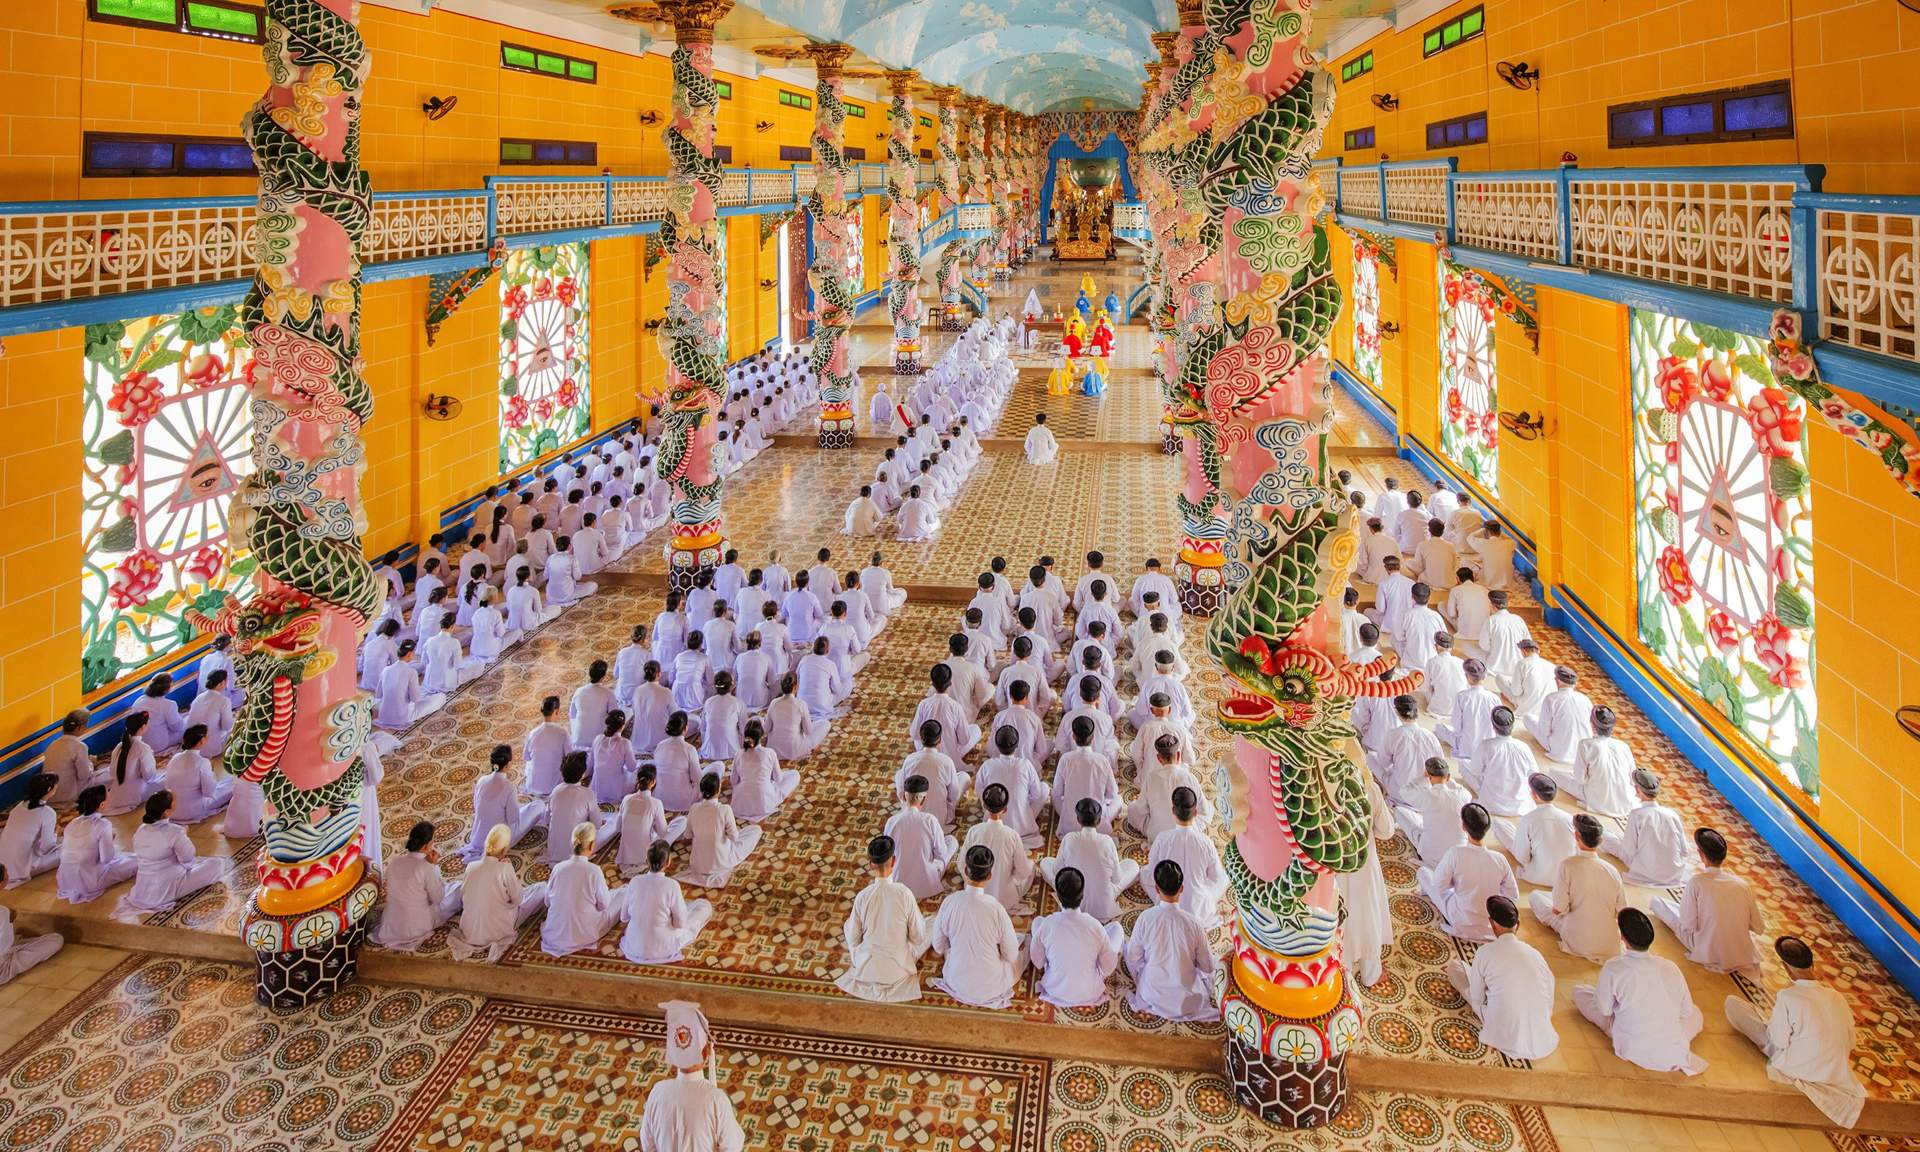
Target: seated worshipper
{"points": [[792, 731], [1434, 559], [1432, 820], [1641, 1001], [545, 745], [68, 761], [1446, 676], [916, 518], [444, 664], [660, 920], [629, 664], [723, 720], [613, 760], [1418, 627], [1492, 555], [669, 634], [218, 659], [29, 844], [1654, 846], [1530, 685], [563, 571], [1159, 635], [1564, 718], [491, 636], [1368, 927], [984, 956], [1091, 850], [1151, 813], [1469, 607], [1584, 906], [995, 620], [1090, 689], [165, 721], [1500, 638], [131, 777], [1169, 957], [820, 683], [1411, 524], [197, 794], [1083, 772], [1013, 770], [1162, 682], [692, 677], [800, 611], [1497, 773], [1401, 764], [1160, 722], [90, 858], [581, 908], [678, 766], [213, 710], [21, 953], [1186, 845], [1154, 581], [1028, 666], [1808, 1040], [863, 515], [494, 903], [717, 844], [1472, 716], [642, 823], [877, 583], [1073, 952], [1392, 597], [591, 702], [958, 733], [885, 934], [1542, 838], [497, 803], [755, 679], [844, 646], [401, 704], [1601, 778], [1466, 876], [1510, 988], [1041, 447], [572, 805], [1376, 546], [418, 897], [1716, 918], [1012, 868], [759, 784]]}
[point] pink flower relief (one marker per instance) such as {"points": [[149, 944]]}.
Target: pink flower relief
{"points": [[515, 413], [568, 394], [1775, 422], [1773, 648], [134, 579], [543, 409], [1716, 379], [135, 398], [204, 370], [1724, 632], [207, 564]]}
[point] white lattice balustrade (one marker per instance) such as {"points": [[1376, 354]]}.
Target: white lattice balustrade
{"points": [[73, 255], [1418, 195], [1360, 192], [637, 201], [1719, 235], [408, 227], [1520, 216], [1869, 280], [549, 205]]}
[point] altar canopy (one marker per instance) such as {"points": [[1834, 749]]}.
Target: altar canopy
{"points": [[1065, 147]]}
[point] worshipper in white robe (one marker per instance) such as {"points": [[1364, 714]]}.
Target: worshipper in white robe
{"points": [[1434, 559], [564, 584], [629, 665], [571, 805], [717, 844], [801, 612], [755, 678], [1084, 773], [90, 858], [1541, 839], [165, 721], [1717, 917], [1469, 607], [1093, 851], [1377, 546], [876, 581], [1492, 556], [923, 846], [217, 658], [1414, 641], [1641, 1001], [587, 712], [372, 772], [1530, 685], [1162, 680], [669, 632], [1199, 859], [1446, 676], [1411, 524], [1469, 873], [1602, 775], [660, 920], [1146, 736], [581, 908], [444, 664], [885, 934], [723, 721], [1368, 928], [984, 956], [131, 776], [759, 785], [1471, 721], [1153, 580], [494, 903], [613, 759], [1151, 811], [678, 766], [692, 678], [1584, 907], [1432, 820], [545, 745], [197, 793], [1401, 764], [1655, 848], [1041, 447], [497, 803], [1027, 794], [844, 646], [30, 843], [1013, 869], [213, 710], [1565, 718], [863, 514], [491, 635], [1500, 639], [1808, 1038], [792, 731], [958, 733], [1027, 667], [418, 898], [1510, 988], [1089, 690], [916, 518], [1168, 955], [401, 703], [20, 953], [643, 822], [69, 762], [820, 684], [1392, 597], [1073, 952], [1498, 772]]}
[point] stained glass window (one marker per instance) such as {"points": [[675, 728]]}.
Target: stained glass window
{"points": [[166, 426], [543, 352], [1366, 316], [1722, 532], [1469, 422]]}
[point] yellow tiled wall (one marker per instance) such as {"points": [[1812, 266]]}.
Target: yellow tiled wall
{"points": [[1851, 63]]}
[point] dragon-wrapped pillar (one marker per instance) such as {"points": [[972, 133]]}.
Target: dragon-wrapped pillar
{"points": [[693, 340], [1000, 160], [1298, 807], [301, 732], [903, 287], [832, 357], [946, 185], [975, 190]]}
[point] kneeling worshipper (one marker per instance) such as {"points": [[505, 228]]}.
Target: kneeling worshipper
{"points": [[1510, 988], [689, 1112], [30, 844], [1466, 876], [197, 795], [660, 922], [90, 858], [984, 956], [1073, 952], [1094, 853], [1168, 956], [497, 803], [494, 902], [1041, 447], [401, 703], [1808, 1039], [418, 898], [20, 953], [885, 934], [169, 868], [717, 844], [580, 906], [1641, 1001]]}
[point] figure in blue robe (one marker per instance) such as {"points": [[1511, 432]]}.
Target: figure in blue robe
{"points": [[1085, 307], [1093, 383], [1112, 304]]}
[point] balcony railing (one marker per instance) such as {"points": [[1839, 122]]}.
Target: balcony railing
{"points": [[1868, 272]]}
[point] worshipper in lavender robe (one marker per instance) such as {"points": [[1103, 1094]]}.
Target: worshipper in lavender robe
{"points": [[958, 733], [90, 858], [983, 955], [717, 843], [1168, 955], [1808, 1038], [587, 713], [372, 772], [581, 908], [169, 868], [1092, 850], [1584, 906], [643, 822], [1465, 876], [1073, 952], [1510, 988], [1083, 773], [946, 783], [497, 803], [69, 762], [922, 847], [613, 759], [197, 794], [213, 711], [401, 703], [21, 953], [660, 921], [418, 898], [885, 934], [1642, 1003], [29, 844], [1151, 812], [164, 720], [792, 731], [759, 784], [1717, 917], [494, 903], [545, 746], [131, 777], [1013, 869], [1027, 794], [572, 805]]}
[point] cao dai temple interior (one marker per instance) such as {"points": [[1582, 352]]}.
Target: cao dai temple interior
{"points": [[960, 575]]}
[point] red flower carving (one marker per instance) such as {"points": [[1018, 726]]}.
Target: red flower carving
{"points": [[1454, 405], [134, 579], [1773, 647], [204, 370], [1775, 422], [1678, 384], [207, 564], [543, 288], [568, 394], [516, 301], [1716, 379], [136, 397], [515, 415], [1675, 580], [567, 291], [1724, 632], [543, 409]]}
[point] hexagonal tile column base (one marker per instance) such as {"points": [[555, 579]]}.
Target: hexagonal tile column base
{"points": [[1287, 1095]]}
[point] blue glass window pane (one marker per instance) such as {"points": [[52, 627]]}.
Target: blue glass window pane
{"points": [[1436, 135], [1633, 124], [132, 155], [1771, 110], [580, 153], [1686, 119], [1456, 132], [216, 158], [549, 152], [1477, 130]]}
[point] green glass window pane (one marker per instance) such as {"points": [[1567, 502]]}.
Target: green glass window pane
{"points": [[1472, 21], [152, 11], [515, 150], [724, 89], [582, 69], [1367, 62], [515, 57], [1451, 35], [222, 21], [552, 64], [1433, 42], [856, 111]]}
